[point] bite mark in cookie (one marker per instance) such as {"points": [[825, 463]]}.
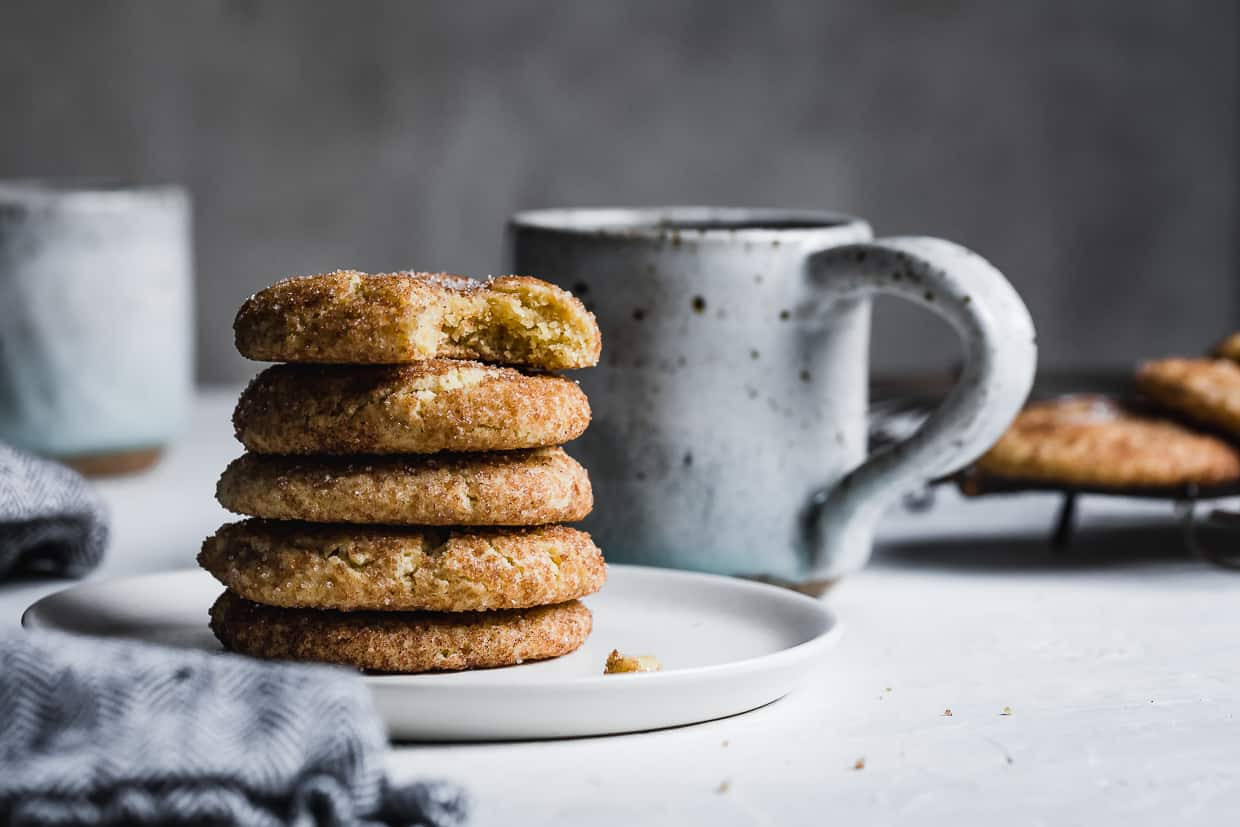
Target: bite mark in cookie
{"points": [[348, 317]]}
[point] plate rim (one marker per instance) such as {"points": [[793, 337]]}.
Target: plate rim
{"points": [[828, 634]]}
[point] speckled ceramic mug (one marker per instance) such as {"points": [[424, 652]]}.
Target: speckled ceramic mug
{"points": [[729, 430]]}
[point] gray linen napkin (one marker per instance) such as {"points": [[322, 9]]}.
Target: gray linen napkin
{"points": [[103, 732], [51, 522]]}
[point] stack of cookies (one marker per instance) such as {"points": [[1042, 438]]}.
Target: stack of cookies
{"points": [[404, 481], [1179, 433]]}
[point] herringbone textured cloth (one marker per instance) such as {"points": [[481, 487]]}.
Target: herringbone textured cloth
{"points": [[51, 522], [98, 732]]}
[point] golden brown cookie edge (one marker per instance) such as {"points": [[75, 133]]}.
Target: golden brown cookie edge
{"points": [[400, 642]]}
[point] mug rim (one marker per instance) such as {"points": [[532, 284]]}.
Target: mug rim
{"points": [[693, 222]]}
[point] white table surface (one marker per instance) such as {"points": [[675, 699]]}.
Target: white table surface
{"points": [[1119, 661]]}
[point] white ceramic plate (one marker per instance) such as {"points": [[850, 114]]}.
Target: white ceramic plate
{"points": [[726, 645]]}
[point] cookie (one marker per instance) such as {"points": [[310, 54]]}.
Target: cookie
{"points": [[349, 317], [400, 641], [423, 408], [1204, 390], [532, 487], [1091, 441], [311, 565], [1229, 348]]}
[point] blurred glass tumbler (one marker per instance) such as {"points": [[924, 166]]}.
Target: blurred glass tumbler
{"points": [[95, 320], [729, 424]]}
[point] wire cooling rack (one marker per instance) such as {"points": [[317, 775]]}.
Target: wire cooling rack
{"points": [[1210, 534]]}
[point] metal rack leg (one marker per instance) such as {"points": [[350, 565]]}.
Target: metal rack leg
{"points": [[1065, 523]]}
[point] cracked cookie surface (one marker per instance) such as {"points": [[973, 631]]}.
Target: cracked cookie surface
{"points": [[389, 568], [1204, 390], [348, 317], [532, 487], [1091, 440], [423, 408], [400, 641]]}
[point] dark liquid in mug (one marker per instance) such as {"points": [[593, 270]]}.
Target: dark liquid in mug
{"points": [[703, 226]]}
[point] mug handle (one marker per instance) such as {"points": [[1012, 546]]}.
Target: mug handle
{"points": [[1000, 359]]}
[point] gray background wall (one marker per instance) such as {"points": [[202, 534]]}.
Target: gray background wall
{"points": [[1087, 148]]}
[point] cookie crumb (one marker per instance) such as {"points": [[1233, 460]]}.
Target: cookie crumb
{"points": [[618, 663], [724, 786], [859, 764]]}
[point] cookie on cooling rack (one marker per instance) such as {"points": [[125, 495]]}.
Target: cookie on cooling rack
{"points": [[1204, 390], [1092, 441], [1229, 348]]}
